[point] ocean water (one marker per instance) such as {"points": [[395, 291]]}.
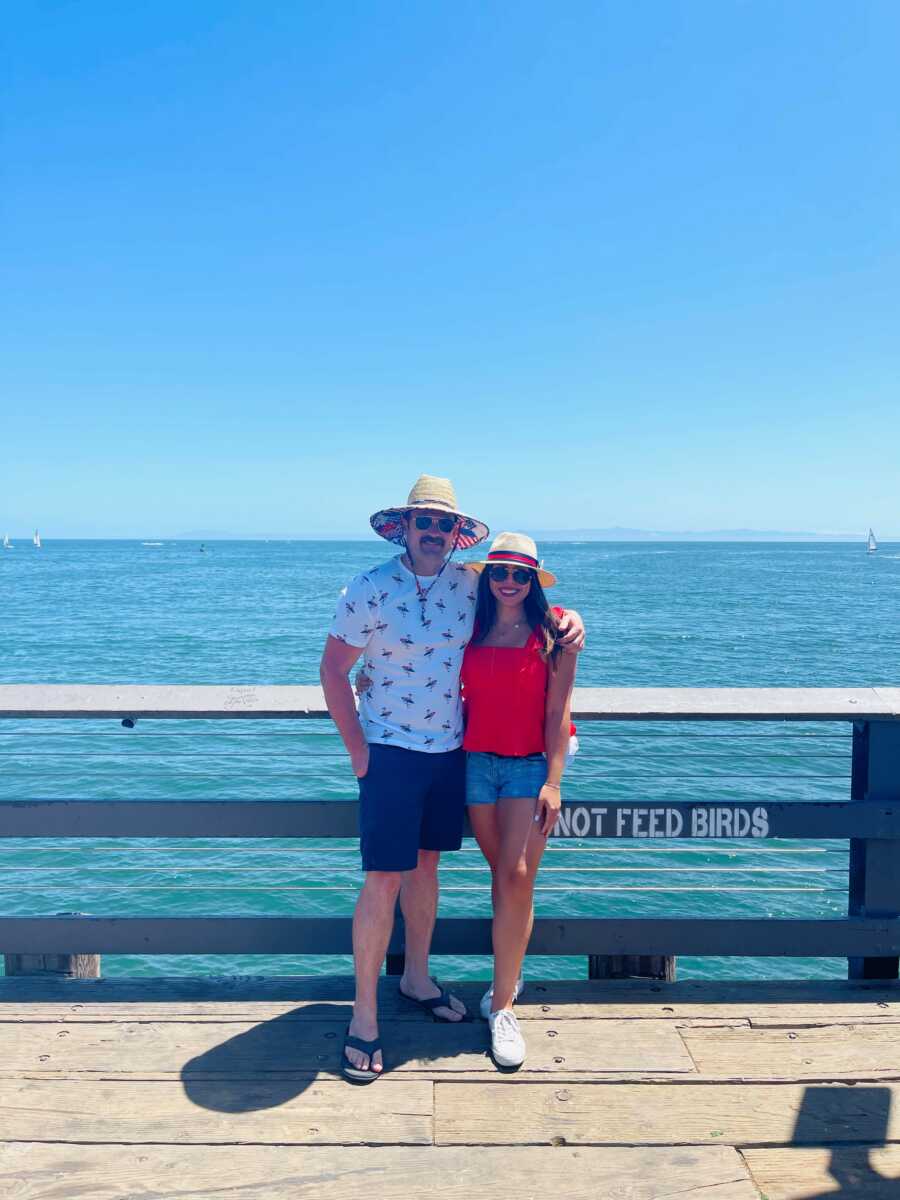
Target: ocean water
{"points": [[667, 614]]}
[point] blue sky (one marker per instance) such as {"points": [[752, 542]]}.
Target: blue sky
{"points": [[602, 264]]}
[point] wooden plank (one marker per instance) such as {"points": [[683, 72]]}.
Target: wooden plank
{"points": [[641, 994], [794, 1017], [309, 1011], [32, 1172], [827, 1052], [441, 1072], [801, 1173], [246, 998], [780, 1002], [453, 935], [251, 701], [217, 1112], [664, 1114], [208, 1050], [730, 704], [117, 701], [675, 821]]}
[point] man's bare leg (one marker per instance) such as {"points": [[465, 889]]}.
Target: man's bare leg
{"points": [[418, 903], [373, 920]]}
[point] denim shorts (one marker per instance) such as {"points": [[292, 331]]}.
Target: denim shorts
{"points": [[493, 777]]}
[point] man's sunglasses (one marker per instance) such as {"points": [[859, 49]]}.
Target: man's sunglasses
{"points": [[519, 574], [444, 524]]}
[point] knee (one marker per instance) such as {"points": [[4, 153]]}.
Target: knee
{"points": [[514, 878], [383, 886]]}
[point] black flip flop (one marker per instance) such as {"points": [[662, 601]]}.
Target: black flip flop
{"points": [[442, 1000], [349, 1070]]}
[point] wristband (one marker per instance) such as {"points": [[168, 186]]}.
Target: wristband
{"points": [[555, 786]]}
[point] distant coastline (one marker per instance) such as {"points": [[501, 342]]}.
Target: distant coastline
{"points": [[616, 533]]}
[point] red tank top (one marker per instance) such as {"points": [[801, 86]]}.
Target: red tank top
{"points": [[505, 695]]}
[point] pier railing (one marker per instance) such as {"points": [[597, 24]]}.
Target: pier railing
{"points": [[868, 936]]}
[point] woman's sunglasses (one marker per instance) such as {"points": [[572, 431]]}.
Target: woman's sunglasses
{"points": [[444, 524], [519, 574]]}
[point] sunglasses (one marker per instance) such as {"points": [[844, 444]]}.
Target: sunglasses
{"points": [[519, 574], [444, 524]]}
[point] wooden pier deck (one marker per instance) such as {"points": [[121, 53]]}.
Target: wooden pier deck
{"points": [[227, 1088]]}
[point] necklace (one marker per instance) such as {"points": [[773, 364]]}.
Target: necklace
{"points": [[422, 593], [505, 633]]}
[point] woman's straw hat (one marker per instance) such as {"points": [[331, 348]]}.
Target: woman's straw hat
{"points": [[515, 550], [429, 492]]}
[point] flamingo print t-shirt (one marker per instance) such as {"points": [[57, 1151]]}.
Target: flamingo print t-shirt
{"points": [[413, 649]]}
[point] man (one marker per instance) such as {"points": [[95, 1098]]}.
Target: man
{"points": [[411, 618]]}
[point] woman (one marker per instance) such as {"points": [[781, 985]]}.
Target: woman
{"points": [[517, 691]]}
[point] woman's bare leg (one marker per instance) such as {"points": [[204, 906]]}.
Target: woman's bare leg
{"points": [[518, 857], [483, 819]]}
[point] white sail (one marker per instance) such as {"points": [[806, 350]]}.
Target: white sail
{"points": [[872, 545], [37, 539], [6, 542]]}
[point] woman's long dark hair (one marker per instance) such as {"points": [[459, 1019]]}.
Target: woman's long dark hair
{"points": [[538, 614]]}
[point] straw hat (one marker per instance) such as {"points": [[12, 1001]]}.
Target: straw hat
{"points": [[515, 550], [437, 494]]}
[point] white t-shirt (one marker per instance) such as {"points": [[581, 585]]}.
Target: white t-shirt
{"points": [[413, 651]]}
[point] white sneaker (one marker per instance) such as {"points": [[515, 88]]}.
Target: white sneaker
{"points": [[488, 998], [507, 1043]]}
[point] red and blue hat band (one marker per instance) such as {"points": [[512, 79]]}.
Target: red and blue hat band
{"points": [[513, 556]]}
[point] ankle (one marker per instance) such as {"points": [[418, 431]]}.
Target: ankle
{"points": [[364, 1021], [415, 981], [495, 1012], [505, 997]]}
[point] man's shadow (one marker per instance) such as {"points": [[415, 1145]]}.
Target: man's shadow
{"points": [[859, 1115], [273, 1062]]}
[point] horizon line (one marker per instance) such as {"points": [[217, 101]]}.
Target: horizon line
{"points": [[618, 534]]}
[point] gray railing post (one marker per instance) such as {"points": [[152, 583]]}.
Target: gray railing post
{"points": [[65, 966], [874, 888], [632, 966]]}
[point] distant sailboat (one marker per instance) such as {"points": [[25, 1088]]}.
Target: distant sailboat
{"points": [[871, 545], [7, 544], [37, 540]]}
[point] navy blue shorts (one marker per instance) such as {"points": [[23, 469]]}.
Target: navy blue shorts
{"points": [[409, 801]]}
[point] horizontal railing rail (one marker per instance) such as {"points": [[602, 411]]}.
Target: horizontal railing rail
{"points": [[577, 936], [339, 819], [869, 936], [212, 702]]}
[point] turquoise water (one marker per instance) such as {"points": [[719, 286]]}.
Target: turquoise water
{"points": [[668, 614]]}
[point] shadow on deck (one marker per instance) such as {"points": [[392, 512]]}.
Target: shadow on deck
{"points": [[219, 1088]]}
